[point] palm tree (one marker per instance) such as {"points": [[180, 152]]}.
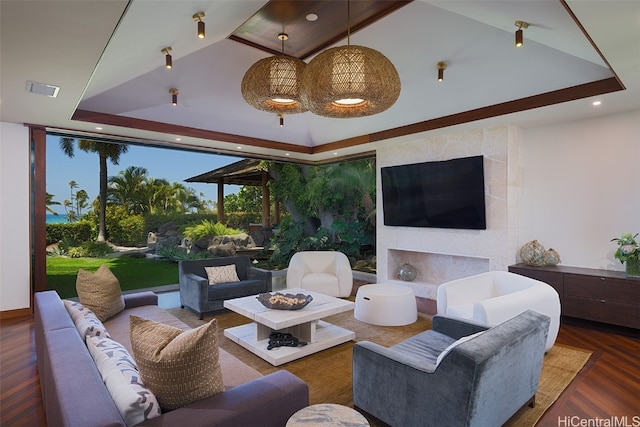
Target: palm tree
{"points": [[80, 202], [127, 189], [49, 202], [186, 196], [105, 151]]}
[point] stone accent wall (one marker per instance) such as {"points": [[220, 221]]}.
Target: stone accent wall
{"points": [[441, 255]]}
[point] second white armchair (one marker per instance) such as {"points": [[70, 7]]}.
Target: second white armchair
{"points": [[325, 272], [493, 297]]}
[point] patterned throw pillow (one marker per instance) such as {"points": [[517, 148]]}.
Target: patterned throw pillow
{"points": [[179, 367], [100, 292], [85, 320], [122, 379], [224, 274]]}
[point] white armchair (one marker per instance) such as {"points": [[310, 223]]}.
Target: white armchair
{"points": [[325, 272], [494, 297]]}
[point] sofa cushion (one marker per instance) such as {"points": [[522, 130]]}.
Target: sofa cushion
{"points": [[100, 292], [179, 367], [86, 321], [122, 379], [242, 288], [223, 274]]}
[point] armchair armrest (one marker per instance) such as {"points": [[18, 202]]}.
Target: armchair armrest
{"points": [[193, 291], [193, 279], [394, 355], [456, 327], [138, 299], [255, 273], [543, 299]]}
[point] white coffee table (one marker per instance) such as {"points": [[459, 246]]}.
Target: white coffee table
{"points": [[304, 324]]}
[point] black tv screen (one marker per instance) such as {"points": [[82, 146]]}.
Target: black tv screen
{"points": [[442, 194]]}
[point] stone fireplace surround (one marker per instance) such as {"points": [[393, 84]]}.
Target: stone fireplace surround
{"points": [[441, 255]]}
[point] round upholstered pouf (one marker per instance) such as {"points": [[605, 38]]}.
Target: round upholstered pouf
{"points": [[386, 305], [329, 415]]}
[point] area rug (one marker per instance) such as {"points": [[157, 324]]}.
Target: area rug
{"points": [[328, 373]]}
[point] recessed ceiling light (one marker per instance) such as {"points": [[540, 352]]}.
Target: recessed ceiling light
{"points": [[596, 103], [98, 128], [335, 154], [286, 154], [178, 139], [239, 147], [312, 17]]}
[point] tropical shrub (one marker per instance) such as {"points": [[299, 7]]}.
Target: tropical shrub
{"points": [[175, 253], [80, 231], [89, 250], [208, 229], [154, 221], [292, 238], [241, 220]]}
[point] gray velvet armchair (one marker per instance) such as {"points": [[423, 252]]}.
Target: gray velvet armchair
{"points": [[196, 293], [482, 381]]}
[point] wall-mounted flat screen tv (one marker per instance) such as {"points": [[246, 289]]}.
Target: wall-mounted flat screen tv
{"points": [[441, 194]]}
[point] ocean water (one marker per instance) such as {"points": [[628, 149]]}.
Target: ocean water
{"points": [[56, 219]]}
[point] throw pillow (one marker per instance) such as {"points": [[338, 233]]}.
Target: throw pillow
{"points": [[179, 367], [455, 344], [86, 321], [224, 274], [100, 292], [122, 379]]}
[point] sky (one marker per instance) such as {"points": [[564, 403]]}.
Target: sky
{"points": [[161, 163]]}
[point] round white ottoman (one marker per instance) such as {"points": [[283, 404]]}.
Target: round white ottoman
{"points": [[386, 305]]}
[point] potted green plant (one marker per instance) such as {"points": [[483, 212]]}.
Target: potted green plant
{"points": [[628, 253]]}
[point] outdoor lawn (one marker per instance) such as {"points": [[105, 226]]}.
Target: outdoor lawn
{"points": [[133, 273]]}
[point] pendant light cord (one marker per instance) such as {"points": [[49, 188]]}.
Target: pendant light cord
{"points": [[348, 22]]}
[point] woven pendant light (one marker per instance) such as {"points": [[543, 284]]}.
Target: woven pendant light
{"points": [[349, 81], [273, 84]]}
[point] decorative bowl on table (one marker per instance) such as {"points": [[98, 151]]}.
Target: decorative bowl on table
{"points": [[280, 301]]}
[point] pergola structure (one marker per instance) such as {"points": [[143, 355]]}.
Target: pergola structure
{"points": [[244, 172]]}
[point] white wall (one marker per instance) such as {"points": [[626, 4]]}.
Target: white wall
{"points": [[582, 187], [14, 217], [572, 186]]}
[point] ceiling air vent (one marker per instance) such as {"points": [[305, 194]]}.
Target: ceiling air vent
{"points": [[42, 89]]}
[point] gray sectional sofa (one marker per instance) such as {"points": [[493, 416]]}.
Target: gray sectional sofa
{"points": [[74, 394]]}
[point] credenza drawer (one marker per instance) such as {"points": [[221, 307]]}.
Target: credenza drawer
{"points": [[602, 311], [601, 288]]}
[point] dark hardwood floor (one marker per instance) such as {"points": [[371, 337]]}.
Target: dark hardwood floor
{"points": [[608, 387]]}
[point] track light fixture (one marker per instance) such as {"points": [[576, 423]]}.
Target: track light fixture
{"points": [[441, 67], [174, 96], [198, 18], [519, 38], [167, 57]]}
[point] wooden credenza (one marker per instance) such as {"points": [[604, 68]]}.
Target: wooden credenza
{"points": [[585, 293]]}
